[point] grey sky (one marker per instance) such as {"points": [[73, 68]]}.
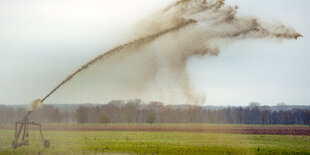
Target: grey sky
{"points": [[41, 42]]}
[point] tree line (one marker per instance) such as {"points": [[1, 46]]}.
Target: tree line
{"points": [[135, 111]]}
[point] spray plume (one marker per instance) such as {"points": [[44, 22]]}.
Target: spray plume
{"points": [[135, 43], [35, 104], [154, 66]]}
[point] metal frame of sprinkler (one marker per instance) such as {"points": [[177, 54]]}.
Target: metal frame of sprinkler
{"points": [[24, 125]]}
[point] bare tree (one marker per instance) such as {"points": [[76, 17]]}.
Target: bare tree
{"points": [[104, 118], [82, 114], [150, 118]]}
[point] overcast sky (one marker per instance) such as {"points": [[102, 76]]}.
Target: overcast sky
{"points": [[41, 42]]}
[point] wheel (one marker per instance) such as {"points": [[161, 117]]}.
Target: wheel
{"points": [[47, 143], [26, 142], [14, 144]]}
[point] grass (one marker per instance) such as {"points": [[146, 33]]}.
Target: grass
{"points": [[142, 125], [93, 142]]}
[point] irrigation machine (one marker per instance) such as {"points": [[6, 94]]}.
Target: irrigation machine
{"points": [[23, 126]]}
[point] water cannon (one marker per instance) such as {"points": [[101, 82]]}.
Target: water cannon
{"points": [[23, 126]]}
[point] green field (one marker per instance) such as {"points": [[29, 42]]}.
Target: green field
{"points": [[139, 142]]}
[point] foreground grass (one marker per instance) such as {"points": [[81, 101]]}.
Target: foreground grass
{"points": [[91, 142]]}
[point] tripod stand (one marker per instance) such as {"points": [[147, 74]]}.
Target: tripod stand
{"points": [[24, 125]]}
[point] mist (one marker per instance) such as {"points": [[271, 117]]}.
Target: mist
{"points": [[153, 67]]}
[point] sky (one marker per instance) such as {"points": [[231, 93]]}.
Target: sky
{"points": [[41, 42]]}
